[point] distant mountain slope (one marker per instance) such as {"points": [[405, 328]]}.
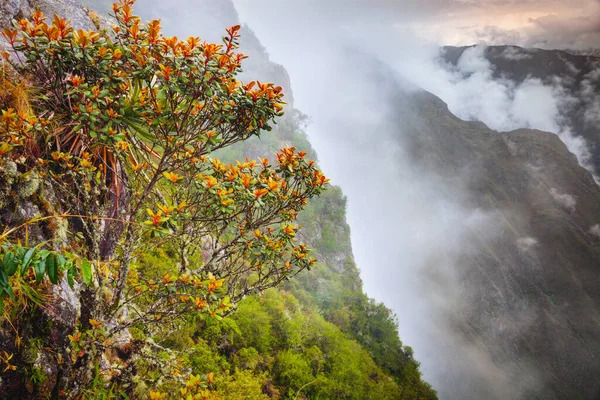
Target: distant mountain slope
{"points": [[577, 76], [526, 321]]}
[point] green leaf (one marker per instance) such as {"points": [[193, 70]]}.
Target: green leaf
{"points": [[43, 254], [10, 263], [27, 260], [70, 274], [3, 280], [86, 271], [52, 268], [10, 292], [5, 286], [60, 261], [40, 269]]}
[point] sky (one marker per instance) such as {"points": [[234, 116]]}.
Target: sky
{"points": [[538, 23]]}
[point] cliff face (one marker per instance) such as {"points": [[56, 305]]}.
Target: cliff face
{"points": [[16, 9], [525, 320]]}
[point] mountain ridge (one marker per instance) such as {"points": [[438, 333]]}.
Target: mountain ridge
{"points": [[574, 77]]}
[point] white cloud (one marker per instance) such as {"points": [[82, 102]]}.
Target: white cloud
{"points": [[564, 199], [590, 92], [516, 54], [526, 243]]}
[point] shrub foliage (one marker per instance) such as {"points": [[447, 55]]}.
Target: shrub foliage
{"points": [[112, 129]]}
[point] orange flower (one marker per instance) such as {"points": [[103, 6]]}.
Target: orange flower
{"points": [[181, 206], [38, 16], [157, 395], [246, 180], [8, 116], [122, 145], [85, 163], [172, 176], [165, 71], [231, 174], [210, 181], [199, 303], [117, 54], [273, 185], [153, 30], [76, 80], [157, 218], [211, 49], [231, 86], [260, 192], [171, 42], [83, 38], [62, 25], [10, 35], [75, 338], [137, 167], [166, 208], [193, 42], [289, 230], [95, 324], [112, 114], [320, 179]]}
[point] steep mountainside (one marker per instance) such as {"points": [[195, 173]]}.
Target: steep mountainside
{"points": [[576, 77], [525, 322]]}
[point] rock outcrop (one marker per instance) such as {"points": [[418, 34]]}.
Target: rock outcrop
{"points": [[16, 9]]}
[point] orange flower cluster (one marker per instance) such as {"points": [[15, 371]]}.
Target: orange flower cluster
{"points": [[136, 112], [115, 95]]}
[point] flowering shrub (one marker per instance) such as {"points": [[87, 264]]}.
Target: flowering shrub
{"points": [[118, 124]]}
